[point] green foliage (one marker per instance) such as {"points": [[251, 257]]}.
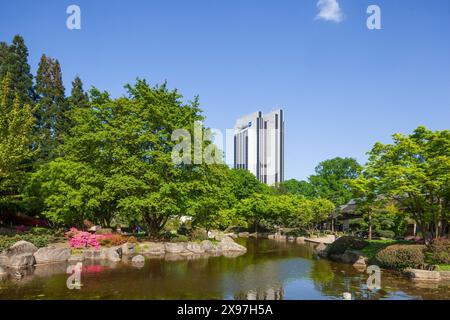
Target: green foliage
{"points": [[52, 113], [38, 240], [14, 64], [385, 234], [346, 243], [440, 251], [415, 171], [401, 256], [16, 124]]}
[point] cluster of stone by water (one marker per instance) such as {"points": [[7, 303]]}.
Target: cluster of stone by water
{"points": [[24, 254]]}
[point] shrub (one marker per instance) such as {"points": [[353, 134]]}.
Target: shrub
{"points": [[345, 243], [111, 239], [132, 239], [38, 240], [440, 251], [180, 238], [401, 256], [81, 239], [385, 234]]}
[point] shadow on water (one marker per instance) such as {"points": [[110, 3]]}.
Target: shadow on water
{"points": [[269, 270]]}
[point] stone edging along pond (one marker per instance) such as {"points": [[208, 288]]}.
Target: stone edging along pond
{"points": [[357, 259], [24, 254]]}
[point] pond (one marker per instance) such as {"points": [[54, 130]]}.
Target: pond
{"points": [[269, 270]]}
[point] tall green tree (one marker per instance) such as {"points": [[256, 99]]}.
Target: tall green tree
{"points": [[14, 63], [415, 171], [331, 180], [52, 114], [16, 124]]}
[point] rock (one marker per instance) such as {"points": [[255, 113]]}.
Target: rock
{"points": [[423, 275], [138, 259], [210, 247], [195, 248], [51, 254], [76, 258], [351, 256], [445, 275], [2, 272], [271, 237], [228, 244], [4, 259], [22, 260], [243, 234], [175, 247], [152, 248], [21, 247], [127, 248], [113, 254], [92, 254], [291, 238]]}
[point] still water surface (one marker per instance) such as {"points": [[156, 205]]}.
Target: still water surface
{"points": [[269, 270]]}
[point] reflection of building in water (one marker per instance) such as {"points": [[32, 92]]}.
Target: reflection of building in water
{"points": [[275, 292]]}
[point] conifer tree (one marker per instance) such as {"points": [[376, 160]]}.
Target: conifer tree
{"points": [[52, 112]]}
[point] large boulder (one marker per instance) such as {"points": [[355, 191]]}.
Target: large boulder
{"points": [[423, 275], [21, 247], [176, 247], [127, 248], [22, 260], [195, 248], [210, 247], [4, 259], [227, 244], [138, 259], [150, 248], [51, 254], [113, 254]]}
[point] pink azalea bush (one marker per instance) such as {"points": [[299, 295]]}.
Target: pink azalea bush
{"points": [[81, 239]]}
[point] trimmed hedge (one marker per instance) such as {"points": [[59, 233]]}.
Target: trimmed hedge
{"points": [[440, 251], [401, 256], [345, 243]]}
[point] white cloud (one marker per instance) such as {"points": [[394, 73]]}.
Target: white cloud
{"points": [[329, 10]]}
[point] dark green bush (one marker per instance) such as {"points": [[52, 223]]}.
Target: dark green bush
{"points": [[38, 240], [385, 234], [345, 243], [401, 256], [439, 250]]}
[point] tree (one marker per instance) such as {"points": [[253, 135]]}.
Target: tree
{"points": [[293, 186], [415, 171], [78, 97], [244, 184], [52, 114], [16, 123], [127, 143], [14, 63], [332, 177]]}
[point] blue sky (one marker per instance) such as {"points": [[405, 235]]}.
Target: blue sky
{"points": [[342, 86]]}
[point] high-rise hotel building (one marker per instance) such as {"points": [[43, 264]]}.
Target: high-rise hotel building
{"points": [[259, 145]]}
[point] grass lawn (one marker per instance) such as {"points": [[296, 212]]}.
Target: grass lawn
{"points": [[444, 267], [376, 245]]}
